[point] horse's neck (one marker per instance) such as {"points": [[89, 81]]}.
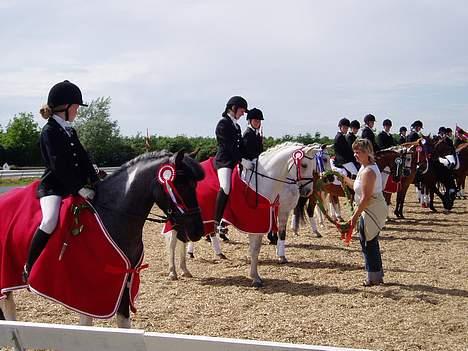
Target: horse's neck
{"points": [[123, 202], [275, 167]]}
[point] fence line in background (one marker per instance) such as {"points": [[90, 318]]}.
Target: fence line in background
{"points": [[25, 335], [36, 172]]}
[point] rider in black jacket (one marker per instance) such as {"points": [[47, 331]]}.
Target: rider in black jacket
{"points": [[385, 138], [367, 132], [354, 127], [68, 167], [415, 129], [228, 155], [402, 139], [252, 140], [344, 155]]}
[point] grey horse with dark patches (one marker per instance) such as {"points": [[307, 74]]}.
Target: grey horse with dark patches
{"points": [[124, 200]]}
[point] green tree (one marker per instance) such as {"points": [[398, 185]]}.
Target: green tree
{"points": [[21, 141], [99, 134]]}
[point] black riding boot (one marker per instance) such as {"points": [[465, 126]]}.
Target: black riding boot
{"points": [[38, 243], [221, 201]]}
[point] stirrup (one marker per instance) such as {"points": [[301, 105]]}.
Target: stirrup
{"points": [[221, 230]]}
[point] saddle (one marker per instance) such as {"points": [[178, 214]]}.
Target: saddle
{"points": [[81, 267]]}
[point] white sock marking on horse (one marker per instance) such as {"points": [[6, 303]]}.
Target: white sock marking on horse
{"points": [[294, 225], [190, 247], [313, 224], [280, 248], [215, 243]]}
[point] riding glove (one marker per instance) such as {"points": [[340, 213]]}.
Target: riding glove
{"points": [[87, 193]]}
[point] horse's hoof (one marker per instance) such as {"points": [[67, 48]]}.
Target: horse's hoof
{"points": [[187, 275], [224, 237], [208, 238], [172, 276], [317, 234], [190, 255], [257, 284], [282, 260], [221, 256]]}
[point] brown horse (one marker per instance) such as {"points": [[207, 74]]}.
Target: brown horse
{"points": [[462, 171], [432, 173]]}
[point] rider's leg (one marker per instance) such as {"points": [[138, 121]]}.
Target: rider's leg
{"points": [[50, 207], [224, 176]]}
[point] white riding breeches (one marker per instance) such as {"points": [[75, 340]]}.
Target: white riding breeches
{"points": [[224, 177], [351, 168], [50, 207]]}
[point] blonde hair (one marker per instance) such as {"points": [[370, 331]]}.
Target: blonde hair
{"points": [[46, 111], [365, 145]]}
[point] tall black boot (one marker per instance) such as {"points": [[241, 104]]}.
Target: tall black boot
{"points": [[221, 201], [38, 243]]}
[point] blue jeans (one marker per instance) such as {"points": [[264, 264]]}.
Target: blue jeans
{"points": [[371, 253]]}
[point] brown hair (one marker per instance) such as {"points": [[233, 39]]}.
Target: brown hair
{"points": [[46, 111], [365, 145]]}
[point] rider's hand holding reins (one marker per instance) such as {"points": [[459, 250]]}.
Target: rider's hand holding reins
{"points": [[86, 193]]}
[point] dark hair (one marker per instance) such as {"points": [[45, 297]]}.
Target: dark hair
{"points": [[355, 124], [387, 122], [344, 122], [368, 118]]}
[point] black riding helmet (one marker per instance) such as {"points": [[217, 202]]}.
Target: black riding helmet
{"points": [[369, 118], [355, 124], [448, 130], [403, 129], [255, 113], [417, 123], [387, 122], [65, 93], [442, 130], [344, 122], [237, 101]]}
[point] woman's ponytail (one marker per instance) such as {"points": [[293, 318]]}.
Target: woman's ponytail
{"points": [[46, 111]]}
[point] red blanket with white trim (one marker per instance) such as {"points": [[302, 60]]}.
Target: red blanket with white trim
{"points": [[92, 273], [247, 211]]}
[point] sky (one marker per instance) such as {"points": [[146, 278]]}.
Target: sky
{"points": [[170, 66]]}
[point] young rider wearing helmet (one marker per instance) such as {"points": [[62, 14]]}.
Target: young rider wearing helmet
{"points": [[367, 132], [68, 167], [352, 132], [252, 140], [403, 131], [385, 138], [228, 155], [415, 129], [344, 156]]}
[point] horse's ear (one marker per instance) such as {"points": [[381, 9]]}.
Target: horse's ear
{"points": [[194, 153], [179, 156]]}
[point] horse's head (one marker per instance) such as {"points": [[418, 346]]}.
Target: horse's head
{"points": [[310, 161], [175, 194]]}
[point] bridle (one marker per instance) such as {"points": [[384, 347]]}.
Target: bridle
{"points": [[177, 209]]}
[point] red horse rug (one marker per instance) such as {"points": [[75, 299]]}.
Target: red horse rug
{"points": [[81, 267], [247, 210]]}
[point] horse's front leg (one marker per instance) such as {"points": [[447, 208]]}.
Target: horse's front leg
{"points": [[171, 243], [255, 243], [8, 307], [182, 247], [310, 212], [123, 313], [86, 320]]}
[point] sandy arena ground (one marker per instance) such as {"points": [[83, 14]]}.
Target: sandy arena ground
{"points": [[317, 298]]}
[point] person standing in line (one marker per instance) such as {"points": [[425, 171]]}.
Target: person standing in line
{"points": [[385, 138], [228, 155], [68, 168], [371, 212], [367, 132]]}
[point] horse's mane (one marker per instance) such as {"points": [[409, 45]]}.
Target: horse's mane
{"points": [[148, 156], [281, 146]]}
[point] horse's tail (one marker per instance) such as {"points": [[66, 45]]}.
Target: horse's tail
{"points": [[299, 210]]}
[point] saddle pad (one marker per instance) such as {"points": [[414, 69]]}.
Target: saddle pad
{"points": [[246, 210], [92, 272]]}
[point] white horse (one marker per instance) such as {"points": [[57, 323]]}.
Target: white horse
{"points": [[278, 174]]}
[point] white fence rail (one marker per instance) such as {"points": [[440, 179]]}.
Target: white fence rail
{"points": [[24, 335], [36, 172]]}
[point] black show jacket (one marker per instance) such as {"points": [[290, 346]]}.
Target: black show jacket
{"points": [[384, 140], [252, 144], [229, 139], [68, 167], [343, 152], [367, 133]]}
